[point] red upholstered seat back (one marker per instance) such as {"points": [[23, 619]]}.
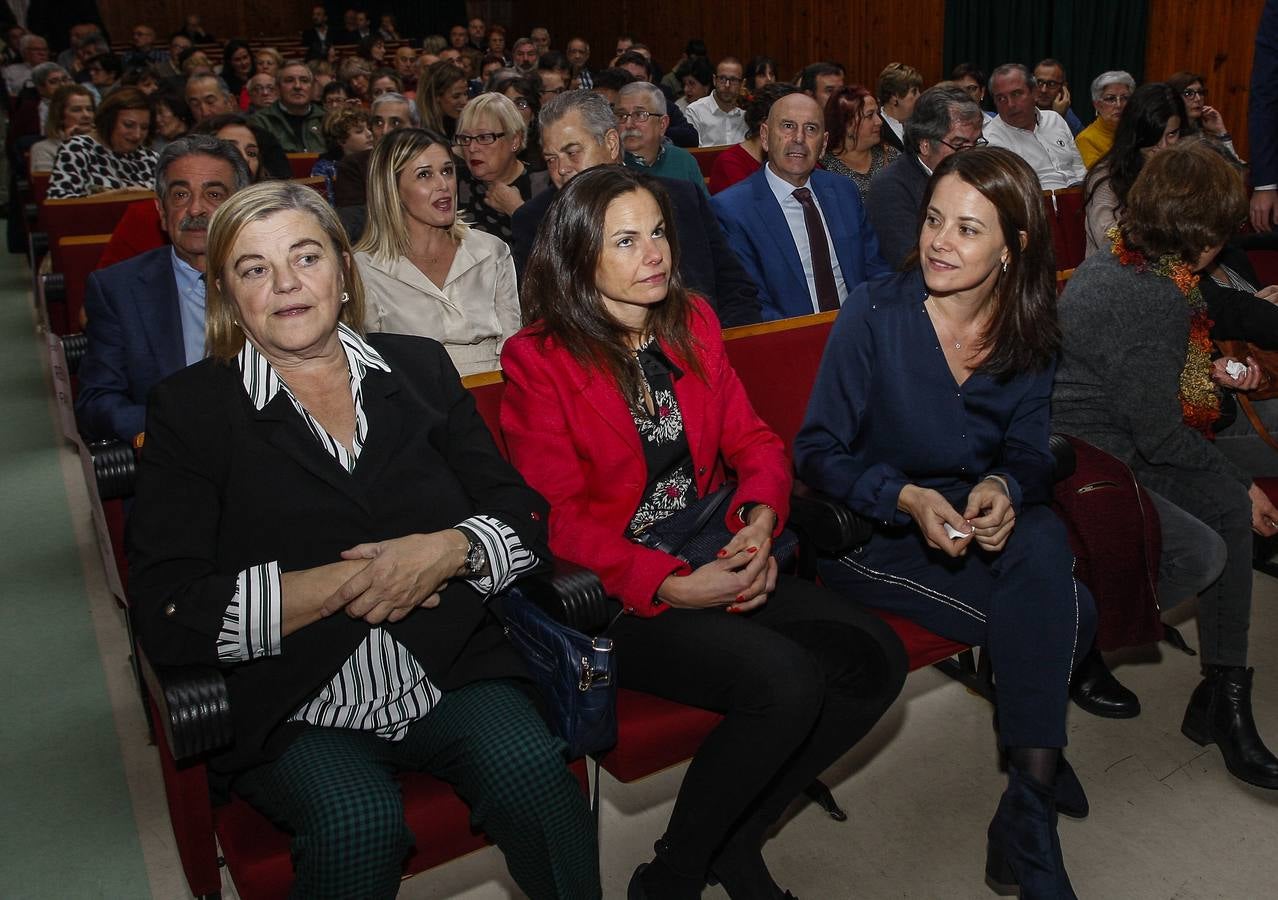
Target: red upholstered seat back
{"points": [[1069, 229], [85, 215], [1265, 262], [75, 257], [705, 157], [302, 163]]}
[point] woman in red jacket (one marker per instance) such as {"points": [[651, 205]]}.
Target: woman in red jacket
{"points": [[621, 408]]}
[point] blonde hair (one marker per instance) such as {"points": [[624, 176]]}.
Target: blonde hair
{"points": [[386, 232], [223, 338], [499, 108]]}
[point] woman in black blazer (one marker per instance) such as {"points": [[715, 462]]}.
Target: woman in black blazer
{"points": [[324, 517]]}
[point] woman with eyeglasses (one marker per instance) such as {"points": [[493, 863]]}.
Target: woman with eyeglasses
{"points": [[1111, 92], [489, 137], [855, 148], [525, 91], [425, 271], [1202, 120]]}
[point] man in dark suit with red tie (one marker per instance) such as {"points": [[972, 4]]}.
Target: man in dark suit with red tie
{"points": [[801, 234]]}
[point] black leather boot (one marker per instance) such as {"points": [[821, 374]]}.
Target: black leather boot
{"points": [[1071, 799], [1096, 690], [1024, 849], [1220, 713]]}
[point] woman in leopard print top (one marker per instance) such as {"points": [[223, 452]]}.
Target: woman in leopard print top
{"points": [[116, 156]]}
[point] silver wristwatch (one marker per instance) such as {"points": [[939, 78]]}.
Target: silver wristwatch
{"points": [[476, 556]]}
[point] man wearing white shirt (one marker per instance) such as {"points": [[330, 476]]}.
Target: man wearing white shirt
{"points": [[718, 119], [1039, 136]]}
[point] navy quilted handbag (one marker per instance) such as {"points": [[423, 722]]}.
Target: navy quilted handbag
{"points": [[697, 533]]}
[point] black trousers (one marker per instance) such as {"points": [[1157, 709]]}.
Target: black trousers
{"points": [[799, 681]]}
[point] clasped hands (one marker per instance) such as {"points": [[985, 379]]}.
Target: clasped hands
{"points": [[988, 518], [739, 580], [1252, 379], [398, 576]]}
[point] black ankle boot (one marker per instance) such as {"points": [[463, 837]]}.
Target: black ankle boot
{"points": [[740, 870], [1023, 847], [1220, 713], [1071, 799], [1095, 689]]}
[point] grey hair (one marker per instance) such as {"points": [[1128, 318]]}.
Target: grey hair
{"points": [[205, 145], [1118, 76], [40, 74], [25, 41], [1007, 69], [393, 97], [596, 115], [93, 37], [937, 110], [647, 89]]}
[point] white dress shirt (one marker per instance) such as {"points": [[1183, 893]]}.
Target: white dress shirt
{"points": [[1048, 147], [716, 128], [793, 210], [898, 128]]}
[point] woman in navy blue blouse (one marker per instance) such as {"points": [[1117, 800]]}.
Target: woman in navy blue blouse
{"points": [[931, 416]]}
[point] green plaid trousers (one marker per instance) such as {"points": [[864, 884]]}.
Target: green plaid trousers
{"points": [[334, 790]]}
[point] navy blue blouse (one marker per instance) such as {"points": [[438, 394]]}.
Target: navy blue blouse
{"points": [[886, 412]]}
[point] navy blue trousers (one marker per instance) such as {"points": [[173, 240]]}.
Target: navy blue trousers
{"points": [[1022, 605]]}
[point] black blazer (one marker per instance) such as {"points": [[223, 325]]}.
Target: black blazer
{"points": [[706, 262], [222, 487], [894, 207], [888, 136]]}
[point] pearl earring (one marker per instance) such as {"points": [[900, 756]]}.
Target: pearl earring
{"points": [[346, 298]]}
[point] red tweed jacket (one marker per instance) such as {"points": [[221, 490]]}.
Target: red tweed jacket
{"points": [[570, 433]]}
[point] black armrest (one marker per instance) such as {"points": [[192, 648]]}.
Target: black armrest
{"points": [[55, 287], [571, 595], [39, 243], [1063, 454], [824, 524], [194, 710], [115, 467], [74, 347]]}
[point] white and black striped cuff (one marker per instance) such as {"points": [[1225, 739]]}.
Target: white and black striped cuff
{"points": [[507, 556], [251, 622]]}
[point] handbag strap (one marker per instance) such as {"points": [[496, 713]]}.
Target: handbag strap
{"points": [[723, 493], [1250, 412]]}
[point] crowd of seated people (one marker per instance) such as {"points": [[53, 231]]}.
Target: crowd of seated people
{"points": [[543, 212]]}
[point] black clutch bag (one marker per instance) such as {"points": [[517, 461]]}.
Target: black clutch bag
{"points": [[698, 532]]}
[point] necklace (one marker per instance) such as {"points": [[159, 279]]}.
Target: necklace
{"points": [[937, 321]]}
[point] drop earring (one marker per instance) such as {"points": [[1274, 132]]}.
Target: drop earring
{"points": [[1005, 267]]}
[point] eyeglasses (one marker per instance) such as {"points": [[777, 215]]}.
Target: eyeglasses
{"points": [[727, 79], [554, 91], [640, 116], [484, 138], [1115, 99], [1191, 93], [963, 145], [1050, 85], [520, 103]]}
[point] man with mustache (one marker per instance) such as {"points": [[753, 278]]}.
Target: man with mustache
{"points": [[801, 235], [146, 315], [641, 114]]}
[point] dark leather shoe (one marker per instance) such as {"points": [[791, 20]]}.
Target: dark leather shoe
{"points": [[1095, 689], [1220, 713], [1024, 849], [1071, 799]]}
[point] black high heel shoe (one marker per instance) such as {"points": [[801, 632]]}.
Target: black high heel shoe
{"points": [[1024, 849]]}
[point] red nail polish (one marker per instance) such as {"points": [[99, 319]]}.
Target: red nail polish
{"points": [[723, 553], [740, 598], [753, 549], [733, 609]]}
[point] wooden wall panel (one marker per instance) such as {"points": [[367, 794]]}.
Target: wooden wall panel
{"points": [[225, 19], [862, 34], [1214, 37]]}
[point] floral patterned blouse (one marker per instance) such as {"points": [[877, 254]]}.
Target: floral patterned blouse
{"points": [[671, 483], [881, 156]]}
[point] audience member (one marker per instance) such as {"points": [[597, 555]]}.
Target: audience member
{"points": [[355, 74], [679, 131], [742, 160], [801, 234], [760, 72], [263, 92], [379, 685], [972, 79], [384, 81], [70, 113], [578, 53], [193, 28], [372, 49], [441, 97], [116, 156], [609, 82], [1202, 120], [207, 95], [541, 37], [146, 315], [347, 132], [697, 79], [334, 95], [1110, 93], [965, 542], [1152, 122], [172, 117], [946, 120], [29, 111], [390, 112], [579, 133], [1262, 122], [387, 28], [405, 62], [522, 89], [497, 42], [1051, 91], [719, 118], [265, 158], [1140, 305], [490, 135], [67, 57], [172, 66], [294, 120], [855, 149], [641, 113], [610, 363], [319, 38], [268, 60], [425, 271], [143, 52], [238, 66], [820, 80], [105, 71], [146, 80], [478, 32], [899, 87], [33, 50], [194, 61], [1038, 136], [525, 54]]}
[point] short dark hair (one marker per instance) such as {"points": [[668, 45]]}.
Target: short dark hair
{"points": [[1185, 200], [756, 113], [845, 106], [756, 65], [1178, 82], [1024, 334], [968, 70], [116, 102], [526, 84], [1050, 62], [204, 145], [699, 68], [560, 282], [635, 58], [108, 62], [807, 79], [935, 113], [553, 61], [613, 79]]}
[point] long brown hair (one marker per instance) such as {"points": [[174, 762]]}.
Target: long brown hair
{"points": [[1024, 334], [560, 294]]}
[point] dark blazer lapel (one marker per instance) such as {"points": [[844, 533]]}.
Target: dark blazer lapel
{"points": [[771, 218], [289, 433], [157, 304], [383, 408]]}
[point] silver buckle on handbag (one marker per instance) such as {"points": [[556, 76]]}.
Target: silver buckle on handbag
{"points": [[590, 676]]}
